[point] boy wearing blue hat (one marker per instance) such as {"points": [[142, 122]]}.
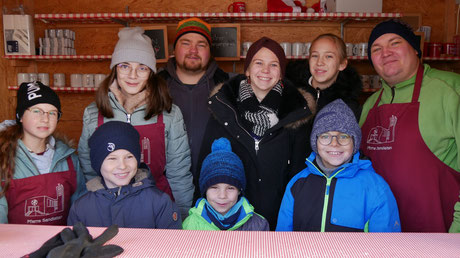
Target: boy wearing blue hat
{"points": [[122, 194], [337, 191], [222, 183]]}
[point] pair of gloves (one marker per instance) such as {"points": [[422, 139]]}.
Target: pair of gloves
{"points": [[79, 243]]}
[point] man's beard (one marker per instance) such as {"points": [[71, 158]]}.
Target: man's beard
{"points": [[192, 66]]}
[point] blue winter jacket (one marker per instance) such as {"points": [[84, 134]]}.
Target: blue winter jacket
{"points": [[137, 205], [353, 198]]}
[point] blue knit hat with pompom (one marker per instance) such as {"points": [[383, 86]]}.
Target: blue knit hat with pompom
{"points": [[222, 166]]}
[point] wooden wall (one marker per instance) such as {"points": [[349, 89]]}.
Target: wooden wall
{"points": [[100, 39]]}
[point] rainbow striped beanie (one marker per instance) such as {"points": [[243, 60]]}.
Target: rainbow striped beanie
{"points": [[193, 25]]}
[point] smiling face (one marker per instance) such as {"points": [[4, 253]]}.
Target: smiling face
{"points": [[264, 72], [118, 168], [192, 53], [132, 77], [222, 197], [37, 126], [325, 62], [394, 59], [334, 154]]}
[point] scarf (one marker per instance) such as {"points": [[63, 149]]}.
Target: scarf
{"points": [[258, 117], [224, 222], [129, 102]]}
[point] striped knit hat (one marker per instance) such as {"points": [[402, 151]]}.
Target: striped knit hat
{"points": [[193, 25]]}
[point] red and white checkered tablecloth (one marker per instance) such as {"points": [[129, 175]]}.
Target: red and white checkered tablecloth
{"points": [[17, 240]]}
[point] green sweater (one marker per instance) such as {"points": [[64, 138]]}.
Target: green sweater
{"points": [[439, 116]]}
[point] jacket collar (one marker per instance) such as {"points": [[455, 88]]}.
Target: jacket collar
{"points": [[294, 109], [346, 170]]}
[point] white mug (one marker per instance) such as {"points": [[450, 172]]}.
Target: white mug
{"points": [[297, 48], [375, 81], [349, 48], [306, 48], [356, 49], [88, 80], [246, 46], [23, 77], [365, 79], [76, 80], [362, 49], [427, 31], [33, 77], [286, 47], [98, 79], [59, 79], [44, 78]]}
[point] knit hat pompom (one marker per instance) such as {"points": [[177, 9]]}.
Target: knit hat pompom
{"points": [[134, 46], [336, 116], [193, 25], [273, 46], [112, 136], [222, 166], [397, 27], [33, 93]]}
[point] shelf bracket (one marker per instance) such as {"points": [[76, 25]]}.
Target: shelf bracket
{"points": [[120, 21], [342, 28]]}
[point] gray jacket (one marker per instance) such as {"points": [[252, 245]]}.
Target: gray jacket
{"points": [[176, 143]]}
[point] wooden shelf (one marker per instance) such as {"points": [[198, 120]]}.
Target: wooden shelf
{"points": [[59, 57], [358, 58], [210, 17], [64, 89], [446, 58]]}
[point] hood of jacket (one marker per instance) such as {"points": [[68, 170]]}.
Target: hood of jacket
{"points": [[346, 170], [96, 183], [295, 108]]}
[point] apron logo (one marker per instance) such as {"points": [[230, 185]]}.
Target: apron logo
{"points": [[110, 146], [45, 205], [145, 152], [382, 135]]}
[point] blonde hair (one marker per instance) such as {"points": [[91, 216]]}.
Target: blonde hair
{"points": [[340, 45]]}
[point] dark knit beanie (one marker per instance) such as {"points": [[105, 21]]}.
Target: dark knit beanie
{"points": [[222, 166], [270, 44], [336, 116], [112, 136], [193, 25], [396, 27], [33, 93]]}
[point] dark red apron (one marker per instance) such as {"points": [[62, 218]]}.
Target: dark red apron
{"points": [[42, 199], [152, 143], [425, 188]]}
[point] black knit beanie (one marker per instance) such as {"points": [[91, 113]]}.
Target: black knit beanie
{"points": [[112, 136], [33, 93], [270, 44], [396, 27]]}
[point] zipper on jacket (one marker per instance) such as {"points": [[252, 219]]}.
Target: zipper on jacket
{"points": [[326, 199], [318, 92], [256, 142], [392, 94], [256, 147], [128, 118]]}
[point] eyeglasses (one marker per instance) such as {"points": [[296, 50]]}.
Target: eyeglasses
{"points": [[342, 139], [39, 113], [141, 70]]}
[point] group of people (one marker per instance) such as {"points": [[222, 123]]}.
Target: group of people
{"points": [[283, 146]]}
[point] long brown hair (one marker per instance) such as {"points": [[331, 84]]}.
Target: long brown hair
{"points": [[8, 144], [158, 97]]}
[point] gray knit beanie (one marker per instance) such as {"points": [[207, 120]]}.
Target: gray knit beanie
{"points": [[336, 116], [134, 46]]}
